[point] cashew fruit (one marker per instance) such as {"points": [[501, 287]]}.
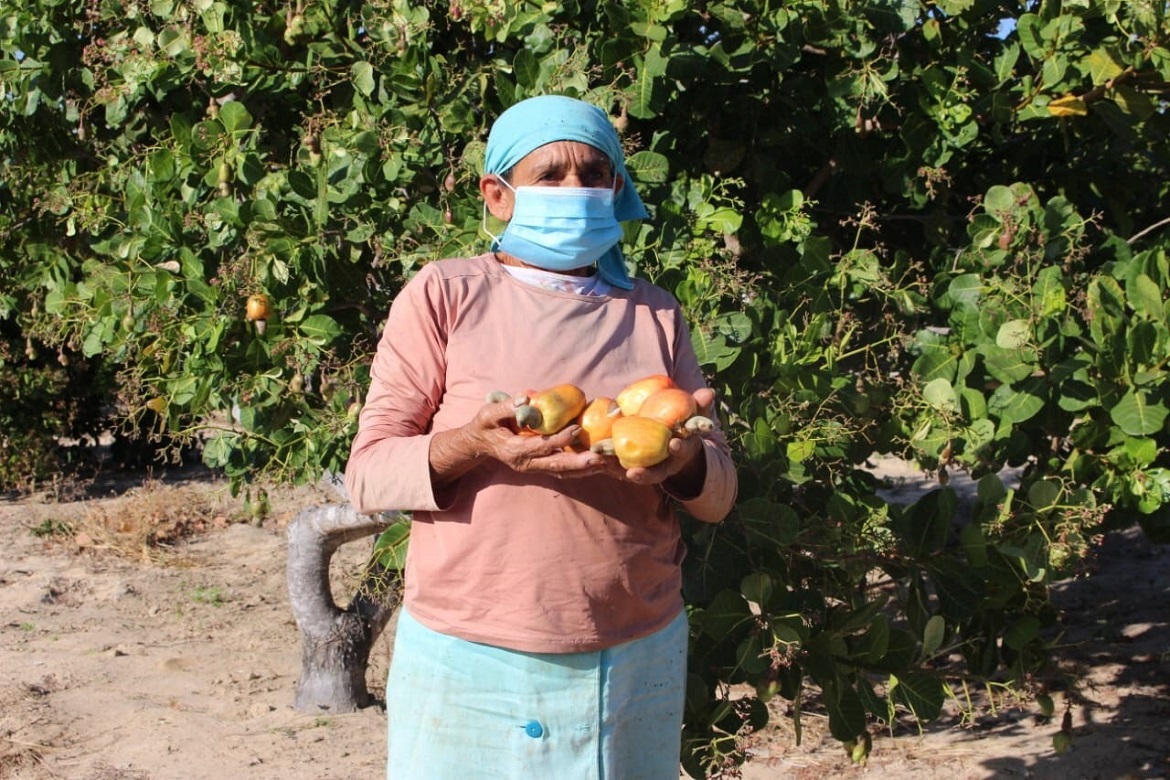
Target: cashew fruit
{"points": [[630, 399], [257, 308], [549, 411], [639, 442], [597, 421], [671, 406]]}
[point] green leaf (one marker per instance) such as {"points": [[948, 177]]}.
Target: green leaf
{"points": [[974, 544], [1013, 334], [1000, 200], [1008, 365], [871, 646], [1141, 452], [926, 523], [173, 42], [713, 350], [767, 523], [820, 660], [1107, 300], [788, 632], [965, 290], [919, 692], [1048, 293], [526, 68], [653, 68], [320, 329], [857, 618], [940, 394], [725, 614], [800, 450], [762, 440], [1136, 415], [1102, 67], [1134, 101], [933, 635], [875, 705], [750, 656], [234, 116], [1146, 298], [206, 135], [1018, 403], [362, 75], [648, 167], [757, 588], [391, 547], [960, 591], [1005, 62], [936, 363], [303, 185], [900, 652], [846, 714], [1021, 632], [93, 344], [1156, 525], [1044, 493]]}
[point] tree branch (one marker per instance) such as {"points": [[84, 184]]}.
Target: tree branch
{"points": [[1148, 230]]}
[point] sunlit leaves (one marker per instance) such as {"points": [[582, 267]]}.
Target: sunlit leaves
{"points": [[1068, 105], [1103, 67]]}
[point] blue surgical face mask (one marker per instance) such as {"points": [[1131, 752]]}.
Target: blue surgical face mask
{"points": [[559, 228]]}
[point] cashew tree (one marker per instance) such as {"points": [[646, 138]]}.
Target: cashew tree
{"points": [[929, 228]]}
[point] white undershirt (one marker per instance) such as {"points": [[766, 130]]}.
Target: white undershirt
{"points": [[549, 280]]}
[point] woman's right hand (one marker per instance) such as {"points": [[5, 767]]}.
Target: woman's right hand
{"points": [[493, 433]]}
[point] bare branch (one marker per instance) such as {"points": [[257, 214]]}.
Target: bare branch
{"points": [[1142, 233]]}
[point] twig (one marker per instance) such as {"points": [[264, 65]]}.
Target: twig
{"points": [[22, 743], [1147, 230]]}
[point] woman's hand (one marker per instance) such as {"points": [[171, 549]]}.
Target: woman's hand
{"points": [[685, 467], [493, 433]]}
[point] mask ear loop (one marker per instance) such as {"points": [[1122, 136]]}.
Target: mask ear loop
{"points": [[483, 219], [484, 227]]}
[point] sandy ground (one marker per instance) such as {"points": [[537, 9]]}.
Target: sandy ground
{"points": [[138, 666]]}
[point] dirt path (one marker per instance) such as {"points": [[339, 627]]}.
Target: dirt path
{"points": [[184, 668]]}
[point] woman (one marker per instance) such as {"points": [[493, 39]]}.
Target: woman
{"points": [[542, 633]]}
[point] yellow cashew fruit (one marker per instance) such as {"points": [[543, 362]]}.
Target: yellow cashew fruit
{"points": [[549, 411], [639, 442]]}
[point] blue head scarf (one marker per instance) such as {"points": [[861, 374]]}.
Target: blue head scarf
{"points": [[537, 121]]}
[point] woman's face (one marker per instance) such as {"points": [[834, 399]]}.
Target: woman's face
{"points": [[563, 164], [559, 164]]}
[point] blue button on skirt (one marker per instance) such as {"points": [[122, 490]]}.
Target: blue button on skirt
{"points": [[459, 710]]}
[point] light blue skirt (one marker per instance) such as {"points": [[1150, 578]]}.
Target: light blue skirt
{"points": [[458, 710]]}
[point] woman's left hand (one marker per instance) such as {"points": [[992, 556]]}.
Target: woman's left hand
{"points": [[686, 463], [684, 455]]}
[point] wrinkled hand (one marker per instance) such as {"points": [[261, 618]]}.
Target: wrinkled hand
{"points": [[493, 432]]}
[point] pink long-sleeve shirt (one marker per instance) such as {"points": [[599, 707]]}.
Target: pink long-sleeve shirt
{"points": [[526, 561]]}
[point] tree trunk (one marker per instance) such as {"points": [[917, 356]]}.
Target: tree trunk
{"points": [[335, 642]]}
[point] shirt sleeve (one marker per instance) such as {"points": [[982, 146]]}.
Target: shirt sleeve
{"points": [[720, 486], [389, 462], [721, 483]]}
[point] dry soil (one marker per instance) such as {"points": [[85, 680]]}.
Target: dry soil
{"points": [[121, 661]]}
